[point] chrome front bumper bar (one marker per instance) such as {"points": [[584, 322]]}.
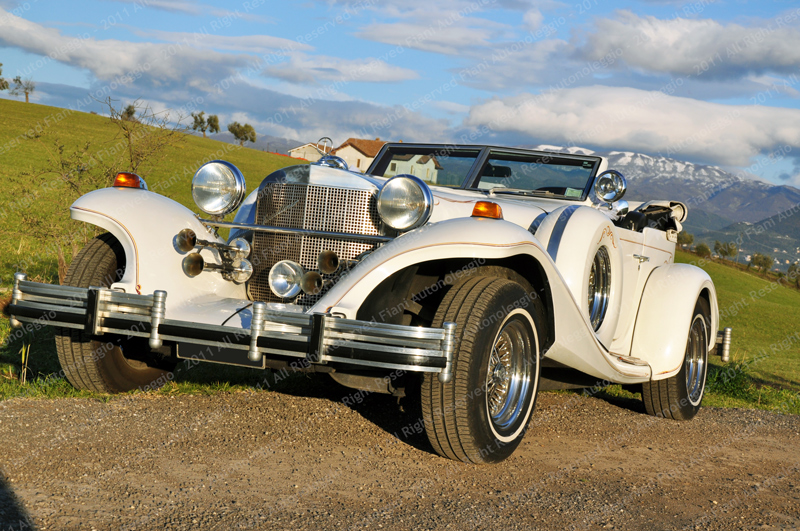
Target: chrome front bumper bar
{"points": [[317, 338]]}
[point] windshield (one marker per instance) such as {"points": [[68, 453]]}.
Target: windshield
{"points": [[536, 174], [436, 165]]}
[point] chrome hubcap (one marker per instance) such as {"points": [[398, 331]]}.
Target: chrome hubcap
{"points": [[696, 357], [509, 373]]}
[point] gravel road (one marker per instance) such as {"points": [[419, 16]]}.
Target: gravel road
{"points": [[272, 460]]}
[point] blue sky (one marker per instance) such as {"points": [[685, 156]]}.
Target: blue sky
{"points": [[714, 82]]}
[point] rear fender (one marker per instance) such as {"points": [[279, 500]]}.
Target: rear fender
{"points": [[146, 224], [665, 315]]}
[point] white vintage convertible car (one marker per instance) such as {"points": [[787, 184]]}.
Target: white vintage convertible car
{"points": [[469, 277]]}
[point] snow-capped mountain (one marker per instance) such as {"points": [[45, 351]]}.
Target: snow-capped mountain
{"points": [[716, 198]]}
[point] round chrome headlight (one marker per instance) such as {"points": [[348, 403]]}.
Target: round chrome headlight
{"points": [[610, 186], [285, 279], [218, 187], [405, 202]]}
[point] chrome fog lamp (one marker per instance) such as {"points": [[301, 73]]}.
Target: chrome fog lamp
{"points": [[218, 187], [242, 271], [405, 202], [238, 249], [285, 279], [610, 186]]}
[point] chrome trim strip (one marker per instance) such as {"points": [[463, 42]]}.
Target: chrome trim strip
{"points": [[380, 365], [375, 347], [386, 330], [400, 342], [299, 232]]}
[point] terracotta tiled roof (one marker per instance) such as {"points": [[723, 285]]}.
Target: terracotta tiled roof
{"points": [[369, 148]]}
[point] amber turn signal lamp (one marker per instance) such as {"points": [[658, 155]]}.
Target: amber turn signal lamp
{"points": [[129, 180], [487, 209]]}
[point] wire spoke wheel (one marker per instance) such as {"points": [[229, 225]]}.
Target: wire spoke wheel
{"points": [[508, 375], [695, 362]]}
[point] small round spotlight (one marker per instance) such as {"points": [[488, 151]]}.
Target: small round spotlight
{"points": [[610, 186], [242, 250], [328, 262], [285, 278], [186, 240], [311, 283], [242, 271], [193, 264]]}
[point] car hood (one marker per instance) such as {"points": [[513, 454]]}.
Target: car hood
{"points": [[450, 203]]}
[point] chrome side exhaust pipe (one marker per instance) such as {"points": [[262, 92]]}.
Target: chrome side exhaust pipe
{"points": [[724, 344]]}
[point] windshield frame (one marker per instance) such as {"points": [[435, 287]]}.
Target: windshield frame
{"points": [[485, 152], [384, 157]]}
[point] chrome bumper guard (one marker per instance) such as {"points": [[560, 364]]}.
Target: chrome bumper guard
{"points": [[318, 338]]}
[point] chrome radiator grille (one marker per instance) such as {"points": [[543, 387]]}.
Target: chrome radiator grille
{"points": [[308, 207]]}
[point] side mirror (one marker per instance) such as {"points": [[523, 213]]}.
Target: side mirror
{"points": [[610, 186]]}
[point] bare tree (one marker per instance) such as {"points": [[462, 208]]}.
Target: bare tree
{"points": [[145, 137], [23, 86]]}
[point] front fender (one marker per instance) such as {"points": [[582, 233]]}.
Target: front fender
{"points": [[575, 343], [478, 238], [146, 223], [665, 315]]}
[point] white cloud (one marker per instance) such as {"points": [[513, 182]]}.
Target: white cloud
{"points": [[451, 107], [645, 121], [696, 48], [112, 59], [173, 6], [193, 8], [303, 68], [451, 37], [244, 43], [532, 20]]}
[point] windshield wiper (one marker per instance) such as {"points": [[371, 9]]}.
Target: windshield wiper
{"points": [[521, 191]]}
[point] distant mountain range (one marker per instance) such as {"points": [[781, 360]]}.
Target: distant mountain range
{"points": [[273, 144]]}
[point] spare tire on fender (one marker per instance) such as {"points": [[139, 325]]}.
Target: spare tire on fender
{"points": [[585, 247]]}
